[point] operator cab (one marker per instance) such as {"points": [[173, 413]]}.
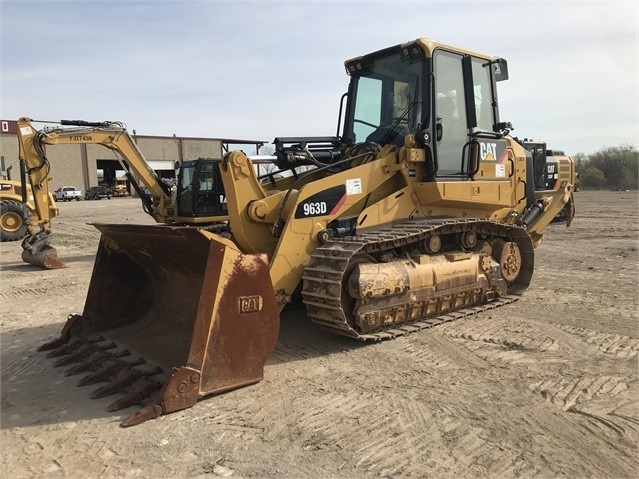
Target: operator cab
{"points": [[200, 192], [446, 97]]}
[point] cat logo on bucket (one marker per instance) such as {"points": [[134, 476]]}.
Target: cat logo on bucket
{"points": [[250, 304]]}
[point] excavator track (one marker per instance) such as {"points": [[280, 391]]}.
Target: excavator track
{"points": [[326, 276]]}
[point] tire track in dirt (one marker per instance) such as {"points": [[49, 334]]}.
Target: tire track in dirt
{"points": [[616, 419], [503, 340], [24, 294], [569, 392], [523, 344], [384, 433], [379, 433], [399, 448], [613, 344]]}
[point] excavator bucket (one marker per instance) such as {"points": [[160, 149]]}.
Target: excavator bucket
{"points": [[37, 251], [172, 314]]}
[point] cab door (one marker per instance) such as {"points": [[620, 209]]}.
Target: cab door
{"points": [[465, 106]]}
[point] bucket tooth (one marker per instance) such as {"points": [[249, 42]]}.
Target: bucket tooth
{"points": [[148, 411], [122, 380], [101, 374], [140, 390], [108, 345], [85, 350], [109, 369], [65, 349], [74, 322], [78, 344], [88, 365], [53, 344], [96, 360], [82, 352]]}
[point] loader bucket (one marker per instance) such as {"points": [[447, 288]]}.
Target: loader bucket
{"points": [[172, 314]]}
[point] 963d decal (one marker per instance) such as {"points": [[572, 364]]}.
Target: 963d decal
{"points": [[324, 203]]}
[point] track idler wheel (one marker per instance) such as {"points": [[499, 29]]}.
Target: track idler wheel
{"points": [[508, 256]]}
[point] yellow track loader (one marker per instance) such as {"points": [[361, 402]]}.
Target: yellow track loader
{"points": [[422, 209]]}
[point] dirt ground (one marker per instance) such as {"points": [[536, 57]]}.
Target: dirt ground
{"points": [[544, 387]]}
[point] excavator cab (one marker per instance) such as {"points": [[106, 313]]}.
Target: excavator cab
{"points": [[200, 192]]}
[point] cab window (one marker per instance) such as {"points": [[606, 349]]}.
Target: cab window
{"points": [[387, 102], [450, 110], [483, 95], [368, 108]]}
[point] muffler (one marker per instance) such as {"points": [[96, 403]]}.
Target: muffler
{"points": [[172, 314]]}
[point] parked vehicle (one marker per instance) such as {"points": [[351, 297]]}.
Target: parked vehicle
{"points": [[98, 192], [67, 193], [120, 187]]}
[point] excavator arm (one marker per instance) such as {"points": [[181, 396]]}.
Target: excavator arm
{"points": [[112, 135]]}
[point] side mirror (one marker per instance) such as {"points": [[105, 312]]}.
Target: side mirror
{"points": [[500, 69]]}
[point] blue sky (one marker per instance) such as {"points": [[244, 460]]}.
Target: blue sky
{"points": [[258, 70]]}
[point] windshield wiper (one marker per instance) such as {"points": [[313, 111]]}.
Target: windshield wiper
{"points": [[392, 130]]}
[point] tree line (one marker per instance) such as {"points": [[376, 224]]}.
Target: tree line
{"points": [[615, 167]]}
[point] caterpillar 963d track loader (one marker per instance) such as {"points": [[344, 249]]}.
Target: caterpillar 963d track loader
{"points": [[421, 210]]}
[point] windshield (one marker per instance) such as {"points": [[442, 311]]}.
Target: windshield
{"points": [[200, 191], [386, 102], [184, 191]]}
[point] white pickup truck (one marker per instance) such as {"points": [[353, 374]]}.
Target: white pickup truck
{"points": [[67, 193]]}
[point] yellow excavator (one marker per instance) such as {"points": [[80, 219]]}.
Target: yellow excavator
{"points": [[201, 195], [422, 209]]}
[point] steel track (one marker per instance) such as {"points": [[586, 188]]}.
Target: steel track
{"points": [[328, 268]]}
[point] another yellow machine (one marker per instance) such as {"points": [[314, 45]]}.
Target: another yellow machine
{"points": [[201, 196], [421, 210], [546, 164], [120, 188], [17, 207]]}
